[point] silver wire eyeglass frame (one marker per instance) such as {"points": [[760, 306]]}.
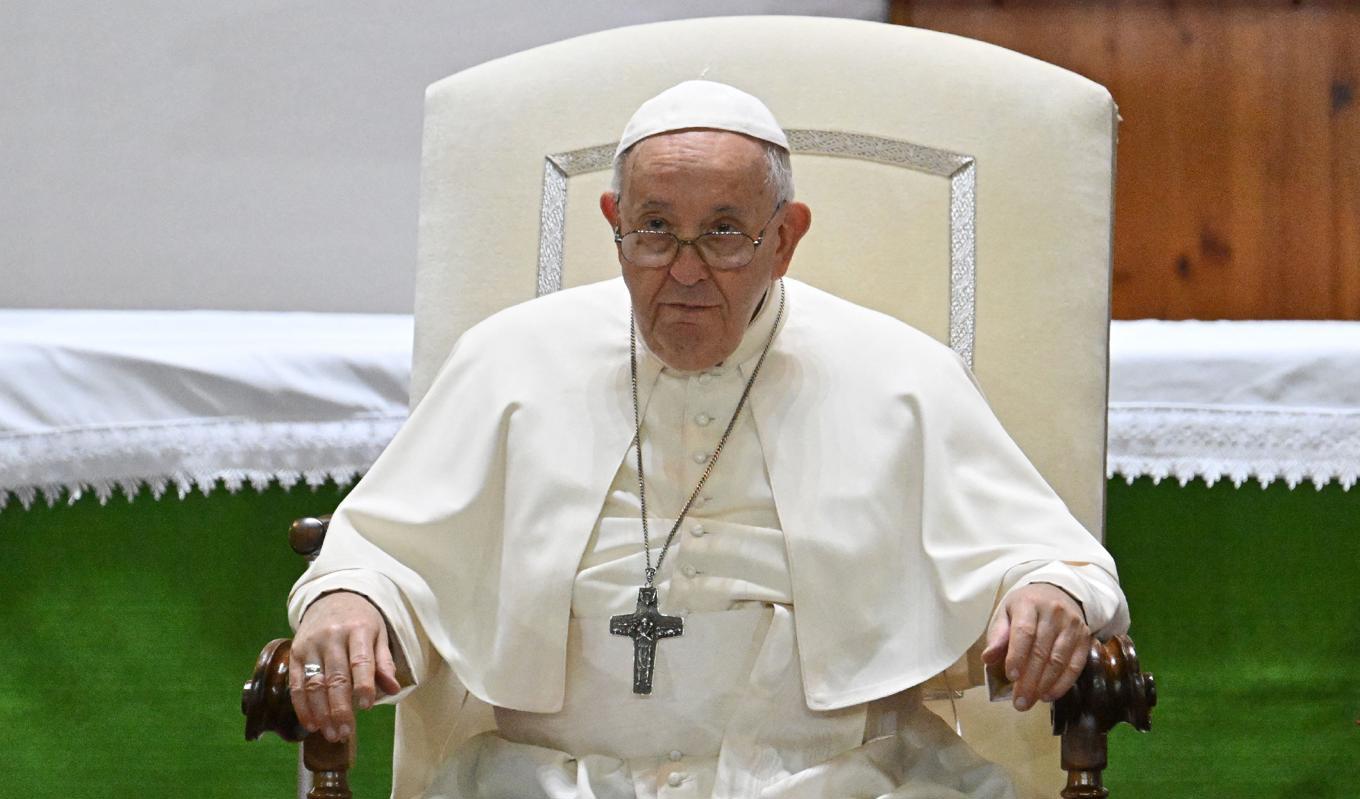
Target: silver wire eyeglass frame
{"points": [[697, 244]]}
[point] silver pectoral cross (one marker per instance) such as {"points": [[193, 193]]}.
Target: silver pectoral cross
{"points": [[645, 626]]}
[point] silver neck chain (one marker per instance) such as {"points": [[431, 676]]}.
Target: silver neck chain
{"points": [[649, 573]]}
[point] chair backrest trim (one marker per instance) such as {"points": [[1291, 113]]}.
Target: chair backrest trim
{"points": [[959, 169]]}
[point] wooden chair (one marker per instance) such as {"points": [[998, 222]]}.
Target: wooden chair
{"points": [[973, 187]]}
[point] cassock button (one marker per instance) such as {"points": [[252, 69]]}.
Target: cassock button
{"points": [[701, 457], [697, 530], [675, 779], [702, 419], [676, 755], [689, 571]]}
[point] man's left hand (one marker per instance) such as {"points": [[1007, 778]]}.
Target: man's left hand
{"points": [[1042, 634]]}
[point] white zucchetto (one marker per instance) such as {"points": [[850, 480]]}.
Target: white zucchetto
{"points": [[702, 104]]}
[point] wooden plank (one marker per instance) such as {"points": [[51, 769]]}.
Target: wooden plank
{"points": [[1238, 189], [1344, 111]]}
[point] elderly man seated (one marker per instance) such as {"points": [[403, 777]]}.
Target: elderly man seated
{"points": [[702, 531]]}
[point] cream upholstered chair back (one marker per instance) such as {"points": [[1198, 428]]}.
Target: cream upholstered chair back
{"points": [[961, 187]]}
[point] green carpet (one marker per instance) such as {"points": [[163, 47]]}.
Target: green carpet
{"points": [[130, 628], [1246, 607]]}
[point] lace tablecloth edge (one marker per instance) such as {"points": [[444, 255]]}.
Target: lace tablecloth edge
{"points": [[183, 455], [1235, 443]]}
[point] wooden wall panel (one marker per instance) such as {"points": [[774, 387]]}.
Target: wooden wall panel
{"points": [[1238, 190], [1345, 151]]}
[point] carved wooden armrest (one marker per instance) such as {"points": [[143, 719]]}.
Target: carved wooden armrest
{"points": [[268, 708], [1111, 689]]}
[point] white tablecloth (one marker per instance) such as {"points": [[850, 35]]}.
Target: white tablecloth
{"points": [[1235, 400], [104, 401]]}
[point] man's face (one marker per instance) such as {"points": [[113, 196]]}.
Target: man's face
{"points": [[689, 183]]}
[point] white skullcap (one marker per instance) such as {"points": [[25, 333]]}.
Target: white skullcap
{"points": [[702, 104]]}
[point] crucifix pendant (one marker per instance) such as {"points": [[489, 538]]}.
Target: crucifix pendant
{"points": [[645, 626]]}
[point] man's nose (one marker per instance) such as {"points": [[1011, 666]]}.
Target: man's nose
{"points": [[688, 268]]}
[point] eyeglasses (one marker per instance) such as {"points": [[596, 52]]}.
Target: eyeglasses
{"points": [[723, 250]]}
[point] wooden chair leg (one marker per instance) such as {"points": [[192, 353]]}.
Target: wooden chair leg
{"points": [[1111, 689]]}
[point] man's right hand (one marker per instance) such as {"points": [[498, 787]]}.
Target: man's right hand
{"points": [[346, 635]]}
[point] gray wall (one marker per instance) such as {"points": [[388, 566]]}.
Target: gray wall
{"points": [[245, 154]]}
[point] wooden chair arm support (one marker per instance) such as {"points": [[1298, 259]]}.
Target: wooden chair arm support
{"points": [[1111, 689], [268, 708]]}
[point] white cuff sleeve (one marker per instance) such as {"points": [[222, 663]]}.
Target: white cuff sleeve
{"points": [[1101, 598]]}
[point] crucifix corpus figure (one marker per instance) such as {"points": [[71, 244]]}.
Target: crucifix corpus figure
{"points": [[645, 626]]}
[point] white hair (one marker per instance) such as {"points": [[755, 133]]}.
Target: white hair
{"points": [[778, 171]]}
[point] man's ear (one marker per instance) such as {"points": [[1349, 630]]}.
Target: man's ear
{"points": [[797, 220], [609, 206]]}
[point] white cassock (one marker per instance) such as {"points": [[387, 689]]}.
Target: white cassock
{"points": [[865, 515]]}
